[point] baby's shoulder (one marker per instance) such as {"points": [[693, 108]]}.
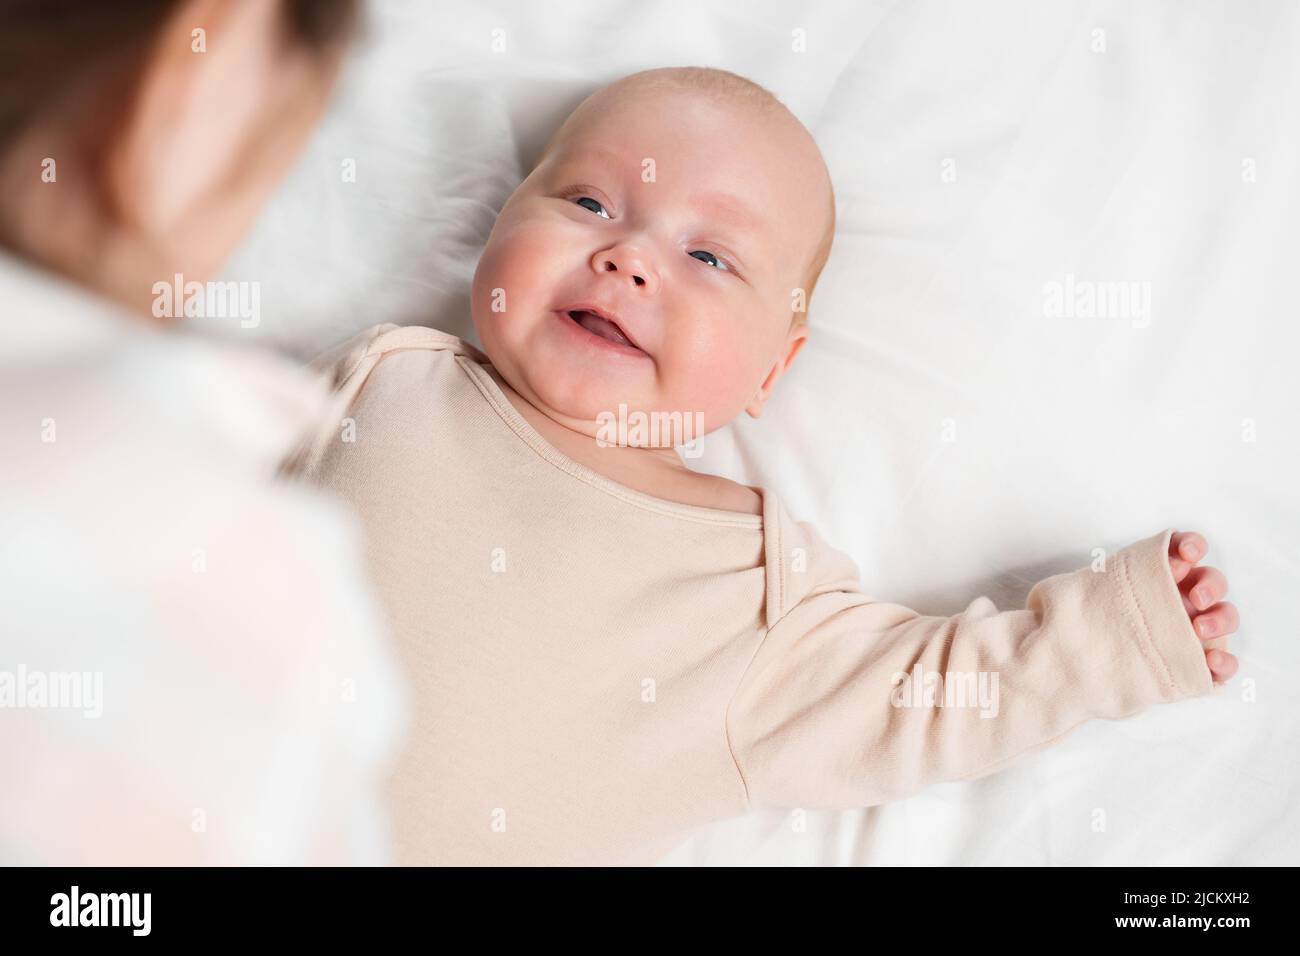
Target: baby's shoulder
{"points": [[380, 340], [388, 337]]}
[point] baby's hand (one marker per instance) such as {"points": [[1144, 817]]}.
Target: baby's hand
{"points": [[1202, 589]]}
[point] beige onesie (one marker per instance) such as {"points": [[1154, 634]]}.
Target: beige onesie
{"points": [[596, 671]]}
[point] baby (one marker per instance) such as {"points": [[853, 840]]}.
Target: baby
{"points": [[608, 649]]}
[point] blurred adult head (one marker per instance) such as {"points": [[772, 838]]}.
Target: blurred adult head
{"points": [[140, 140]]}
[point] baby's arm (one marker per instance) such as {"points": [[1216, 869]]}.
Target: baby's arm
{"points": [[839, 708]]}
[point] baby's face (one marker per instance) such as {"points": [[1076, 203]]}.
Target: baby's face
{"points": [[687, 224]]}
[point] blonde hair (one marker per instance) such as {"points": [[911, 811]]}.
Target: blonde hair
{"points": [[722, 84], [820, 255]]}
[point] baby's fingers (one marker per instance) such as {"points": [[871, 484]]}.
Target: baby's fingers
{"points": [[1219, 621], [1222, 664], [1202, 587], [1185, 549]]}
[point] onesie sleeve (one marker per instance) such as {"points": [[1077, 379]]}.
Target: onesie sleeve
{"points": [[337, 370], [336, 364], [344, 370], [851, 702]]}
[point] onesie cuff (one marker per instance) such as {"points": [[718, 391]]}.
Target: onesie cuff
{"points": [[1162, 628]]}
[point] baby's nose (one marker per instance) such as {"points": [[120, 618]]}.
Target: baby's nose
{"points": [[628, 261]]}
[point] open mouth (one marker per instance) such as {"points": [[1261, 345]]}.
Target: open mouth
{"points": [[602, 326]]}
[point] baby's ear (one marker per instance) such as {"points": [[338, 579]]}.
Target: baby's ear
{"points": [[794, 341]]}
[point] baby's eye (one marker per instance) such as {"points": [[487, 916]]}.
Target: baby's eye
{"points": [[598, 209], [710, 259]]}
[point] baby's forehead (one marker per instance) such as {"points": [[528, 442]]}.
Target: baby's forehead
{"points": [[756, 164], [632, 109]]}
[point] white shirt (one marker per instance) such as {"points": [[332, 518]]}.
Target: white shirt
{"points": [[192, 669]]}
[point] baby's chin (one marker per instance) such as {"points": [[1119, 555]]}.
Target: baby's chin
{"points": [[574, 377], [580, 392], [623, 416], [578, 383], [583, 397]]}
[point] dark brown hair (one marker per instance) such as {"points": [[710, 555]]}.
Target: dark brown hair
{"points": [[50, 50]]}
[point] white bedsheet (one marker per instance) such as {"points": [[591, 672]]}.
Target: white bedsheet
{"points": [[943, 426]]}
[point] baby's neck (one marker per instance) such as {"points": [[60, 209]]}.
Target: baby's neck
{"points": [[658, 472]]}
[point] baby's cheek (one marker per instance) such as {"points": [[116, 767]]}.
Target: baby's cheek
{"points": [[523, 266], [713, 370], [511, 272]]}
